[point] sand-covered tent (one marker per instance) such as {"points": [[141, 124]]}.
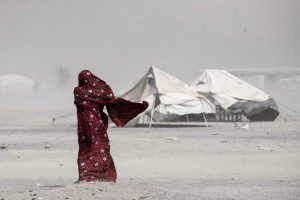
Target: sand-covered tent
{"points": [[168, 97], [14, 84], [235, 95]]}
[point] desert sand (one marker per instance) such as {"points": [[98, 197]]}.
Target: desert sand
{"points": [[38, 161]]}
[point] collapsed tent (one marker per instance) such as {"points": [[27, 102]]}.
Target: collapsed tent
{"points": [[168, 97], [235, 95], [14, 84]]}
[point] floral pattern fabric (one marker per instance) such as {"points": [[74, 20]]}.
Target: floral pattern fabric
{"points": [[95, 162]]}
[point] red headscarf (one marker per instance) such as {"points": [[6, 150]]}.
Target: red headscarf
{"points": [[92, 89]]}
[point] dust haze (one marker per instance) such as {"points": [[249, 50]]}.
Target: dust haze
{"points": [[44, 44], [119, 40]]}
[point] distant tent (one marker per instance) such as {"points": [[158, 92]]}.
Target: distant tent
{"points": [[236, 96], [14, 84], [168, 97]]}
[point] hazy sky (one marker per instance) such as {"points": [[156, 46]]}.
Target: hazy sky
{"points": [[119, 39]]}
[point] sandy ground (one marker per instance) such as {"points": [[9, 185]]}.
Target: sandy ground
{"points": [[219, 162]]}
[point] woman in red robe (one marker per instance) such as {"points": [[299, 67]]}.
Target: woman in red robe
{"points": [[92, 94]]}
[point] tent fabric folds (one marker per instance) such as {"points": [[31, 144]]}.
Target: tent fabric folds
{"points": [[235, 95], [167, 96]]}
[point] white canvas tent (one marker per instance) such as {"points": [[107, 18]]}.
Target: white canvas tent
{"points": [[235, 95], [14, 84], [167, 96]]}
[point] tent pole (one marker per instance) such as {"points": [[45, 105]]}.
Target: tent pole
{"points": [[205, 120], [151, 117], [187, 117], [158, 114]]}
